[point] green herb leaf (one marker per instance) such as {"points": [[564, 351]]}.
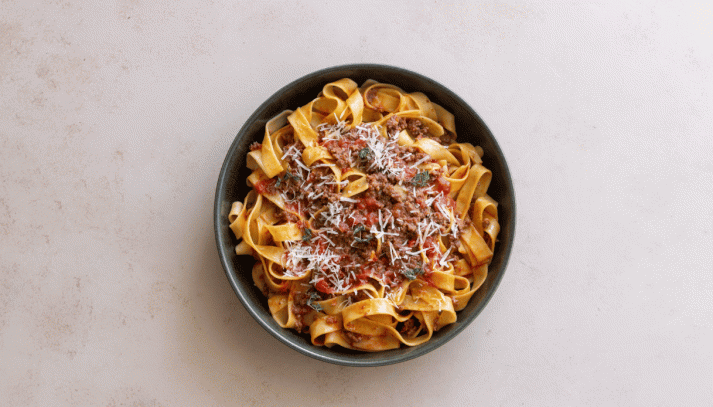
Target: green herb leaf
{"points": [[411, 274], [286, 178], [307, 234], [421, 179], [358, 231], [365, 153], [313, 296]]}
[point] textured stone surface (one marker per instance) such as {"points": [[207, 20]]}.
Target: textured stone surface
{"points": [[114, 121]]}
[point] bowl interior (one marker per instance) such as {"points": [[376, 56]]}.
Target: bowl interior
{"points": [[232, 187]]}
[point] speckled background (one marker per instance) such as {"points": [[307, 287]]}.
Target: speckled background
{"points": [[115, 117]]}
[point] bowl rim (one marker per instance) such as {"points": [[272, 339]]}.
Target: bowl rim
{"points": [[311, 350]]}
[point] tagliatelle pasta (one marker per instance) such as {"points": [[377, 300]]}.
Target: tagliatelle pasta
{"points": [[370, 225]]}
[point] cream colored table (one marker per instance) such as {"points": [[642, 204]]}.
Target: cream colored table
{"points": [[114, 121]]}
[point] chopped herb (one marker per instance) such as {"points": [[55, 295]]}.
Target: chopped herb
{"points": [[313, 296], [421, 179], [307, 234], [365, 153], [412, 273], [358, 230], [286, 178]]}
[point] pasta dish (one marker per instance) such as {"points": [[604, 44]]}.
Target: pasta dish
{"points": [[370, 225]]}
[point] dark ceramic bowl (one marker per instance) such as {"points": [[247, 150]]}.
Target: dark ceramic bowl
{"points": [[232, 187]]}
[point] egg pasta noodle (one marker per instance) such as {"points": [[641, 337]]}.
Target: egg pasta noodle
{"points": [[370, 225]]}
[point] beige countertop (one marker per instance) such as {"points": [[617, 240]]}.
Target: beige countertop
{"points": [[115, 118]]}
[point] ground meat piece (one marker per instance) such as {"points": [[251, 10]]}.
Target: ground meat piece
{"points": [[410, 328], [377, 182], [332, 196], [415, 127], [447, 138], [317, 195], [407, 219], [416, 155], [300, 309], [394, 125], [412, 262], [346, 149], [397, 193], [341, 154], [288, 138], [255, 146], [353, 337]]}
